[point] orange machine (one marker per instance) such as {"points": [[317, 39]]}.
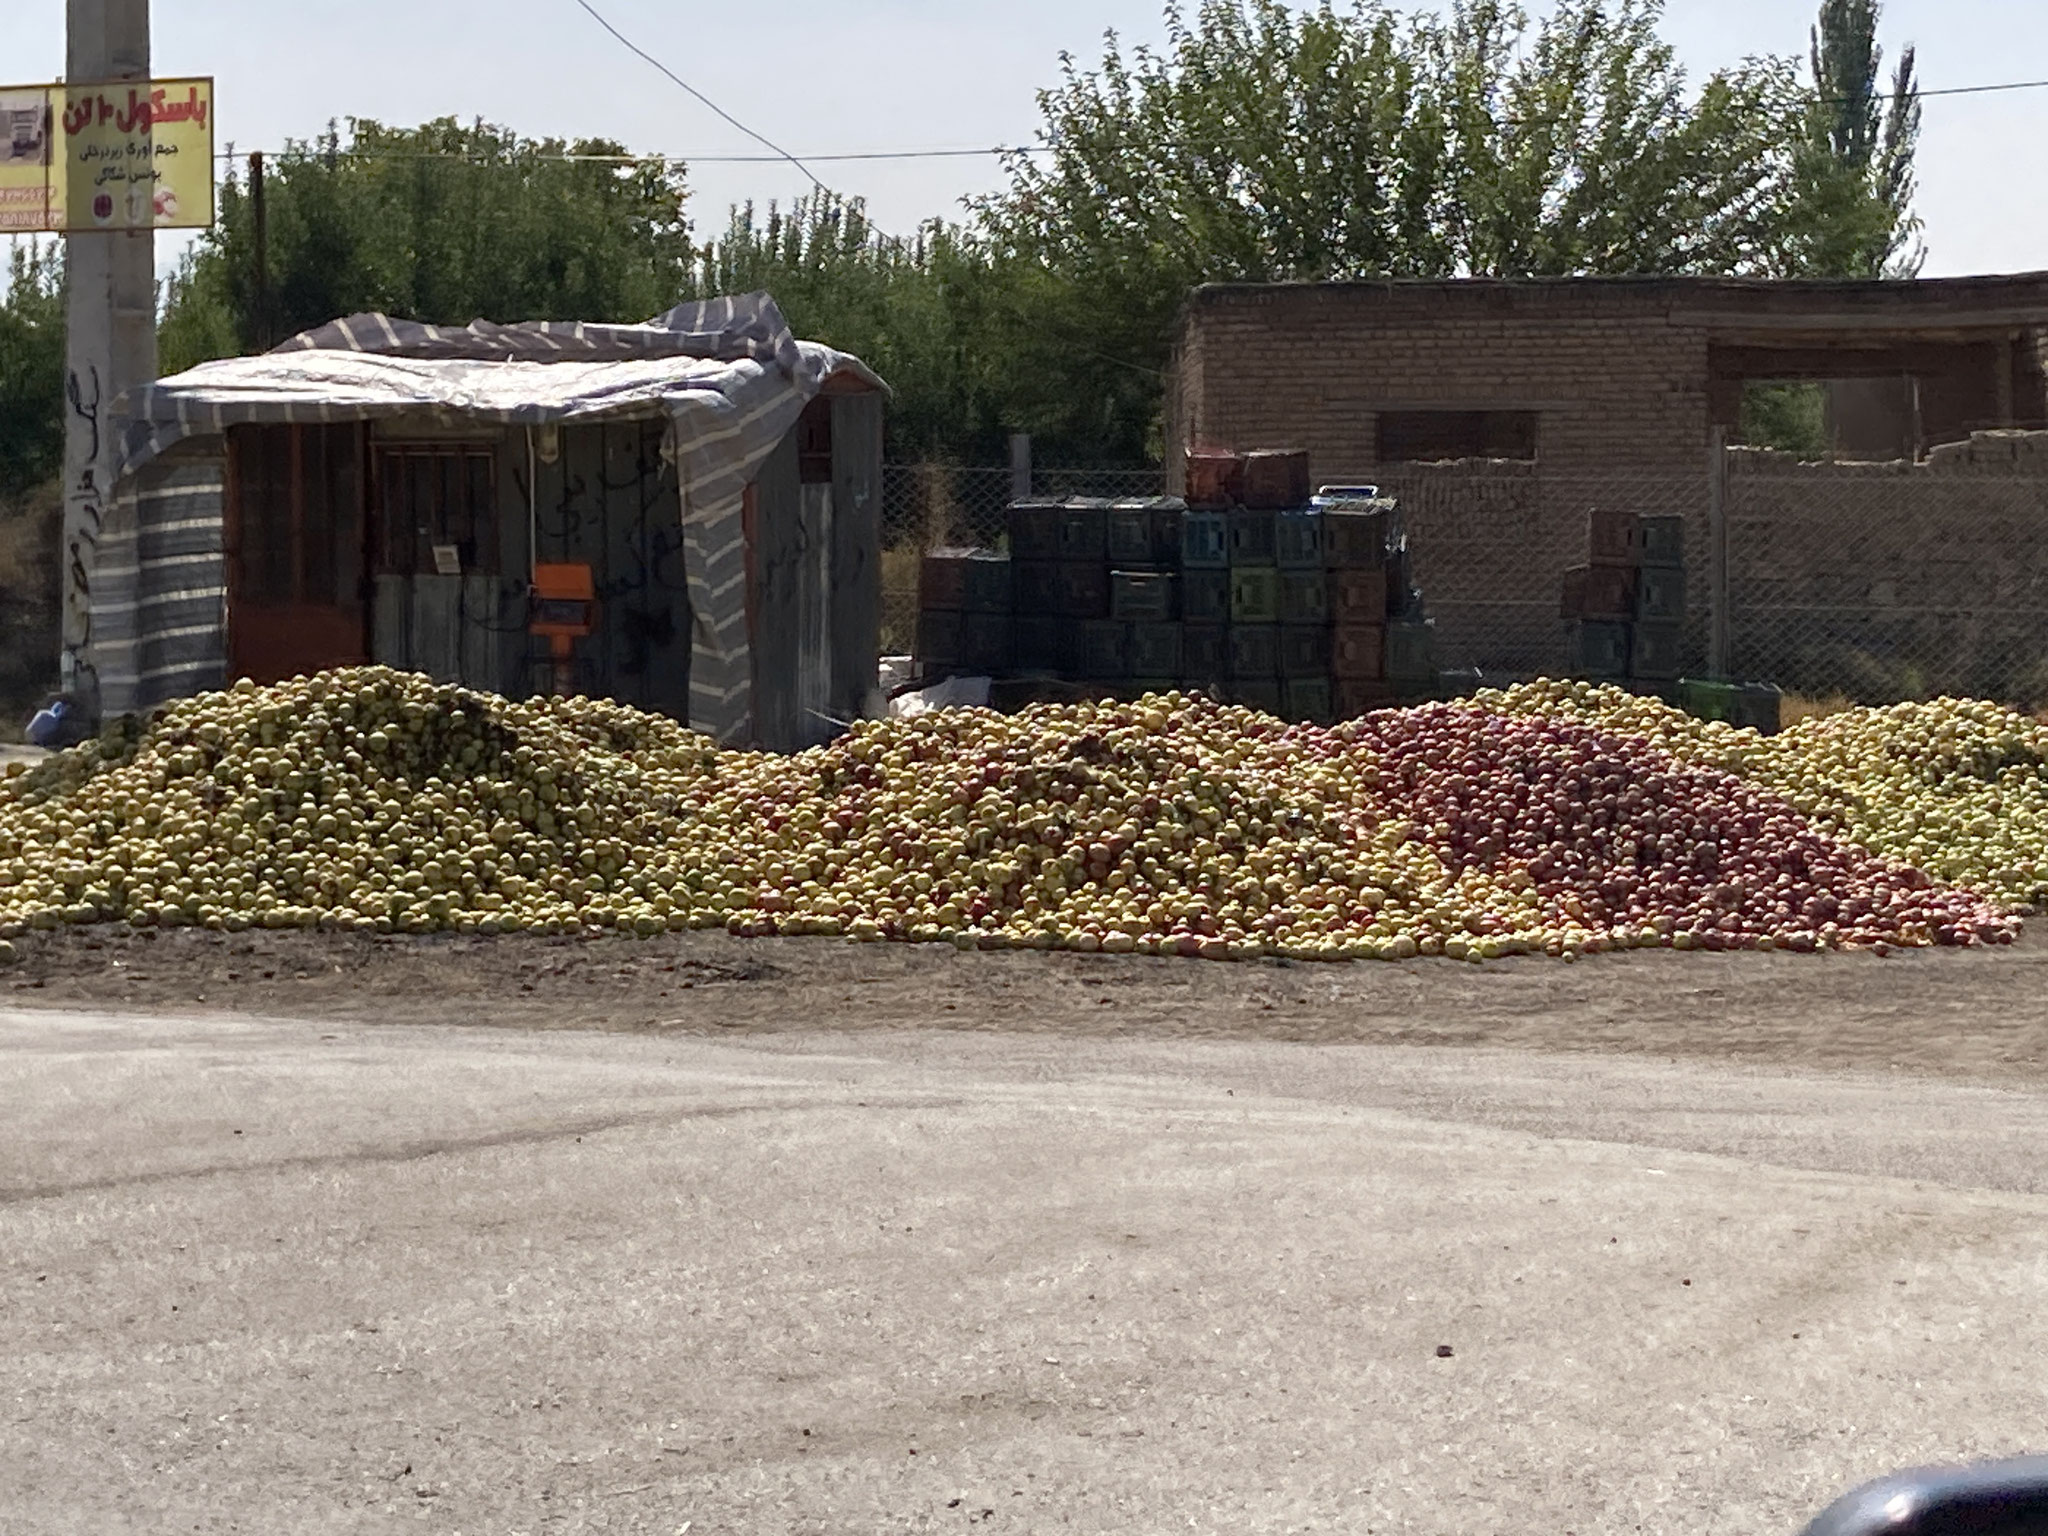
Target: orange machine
{"points": [[562, 606]]}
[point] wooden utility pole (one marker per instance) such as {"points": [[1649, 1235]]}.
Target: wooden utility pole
{"points": [[110, 340]]}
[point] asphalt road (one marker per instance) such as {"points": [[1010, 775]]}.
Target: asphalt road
{"points": [[264, 1275]]}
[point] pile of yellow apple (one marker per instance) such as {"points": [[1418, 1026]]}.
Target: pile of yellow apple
{"points": [[1554, 819]]}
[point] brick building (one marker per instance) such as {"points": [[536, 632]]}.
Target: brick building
{"points": [[1501, 411], [1586, 374]]}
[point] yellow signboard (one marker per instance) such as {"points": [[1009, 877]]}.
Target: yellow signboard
{"points": [[131, 154]]}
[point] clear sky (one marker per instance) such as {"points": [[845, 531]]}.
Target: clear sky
{"points": [[837, 75]]}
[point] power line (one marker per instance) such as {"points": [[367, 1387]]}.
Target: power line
{"points": [[804, 163], [1977, 90], [681, 160], [781, 153]]}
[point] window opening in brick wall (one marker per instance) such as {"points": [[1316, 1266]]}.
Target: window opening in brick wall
{"points": [[432, 494], [1425, 437], [1863, 419]]}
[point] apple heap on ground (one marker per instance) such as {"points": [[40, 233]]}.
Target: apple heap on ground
{"points": [[376, 800], [1955, 787]]}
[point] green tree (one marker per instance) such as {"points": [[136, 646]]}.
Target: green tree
{"points": [[909, 308], [1854, 165], [1269, 143], [445, 223], [32, 368]]}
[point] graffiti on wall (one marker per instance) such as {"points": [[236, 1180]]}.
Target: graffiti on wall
{"points": [[82, 524]]}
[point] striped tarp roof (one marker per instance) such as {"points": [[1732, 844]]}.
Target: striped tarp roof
{"points": [[727, 374]]}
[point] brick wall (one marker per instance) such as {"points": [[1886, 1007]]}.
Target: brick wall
{"points": [[1621, 372], [1615, 381]]}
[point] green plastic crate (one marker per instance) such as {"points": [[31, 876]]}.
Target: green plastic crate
{"points": [[1705, 699], [1255, 594]]}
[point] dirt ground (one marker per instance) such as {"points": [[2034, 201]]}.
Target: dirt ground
{"points": [[1955, 1013]]}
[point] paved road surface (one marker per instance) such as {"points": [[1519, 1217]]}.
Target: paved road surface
{"points": [[265, 1275]]}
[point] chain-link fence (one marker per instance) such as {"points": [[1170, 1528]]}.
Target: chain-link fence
{"points": [[1874, 582], [1881, 583], [936, 506]]}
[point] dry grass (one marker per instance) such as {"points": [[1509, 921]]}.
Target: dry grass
{"points": [[1795, 707], [899, 600]]}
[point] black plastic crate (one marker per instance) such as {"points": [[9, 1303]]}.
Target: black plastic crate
{"points": [[1660, 592], [1304, 650], [1145, 532], [1355, 538], [940, 642], [1304, 597], [1254, 536], [1255, 594], [1041, 644], [1204, 654], [1597, 648], [1204, 541], [1254, 651], [1307, 698], [1035, 528], [1205, 595], [985, 642], [1099, 649], [1411, 651], [1260, 693], [1760, 706], [1035, 585], [1142, 595], [1660, 541], [1081, 590], [1153, 649], [1084, 528], [1655, 649]]}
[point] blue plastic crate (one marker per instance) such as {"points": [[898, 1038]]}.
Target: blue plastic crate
{"points": [[1204, 541], [1298, 540]]}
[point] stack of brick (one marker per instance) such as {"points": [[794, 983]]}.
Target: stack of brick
{"points": [[1625, 607]]}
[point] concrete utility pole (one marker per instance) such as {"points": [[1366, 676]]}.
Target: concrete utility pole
{"points": [[111, 346]]}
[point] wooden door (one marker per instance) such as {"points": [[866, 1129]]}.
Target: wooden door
{"points": [[297, 596]]}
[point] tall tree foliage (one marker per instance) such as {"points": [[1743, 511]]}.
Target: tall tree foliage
{"points": [[1855, 155], [1269, 143], [911, 308], [31, 368], [446, 222]]}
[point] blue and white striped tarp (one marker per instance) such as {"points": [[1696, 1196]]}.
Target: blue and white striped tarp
{"points": [[727, 374]]}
